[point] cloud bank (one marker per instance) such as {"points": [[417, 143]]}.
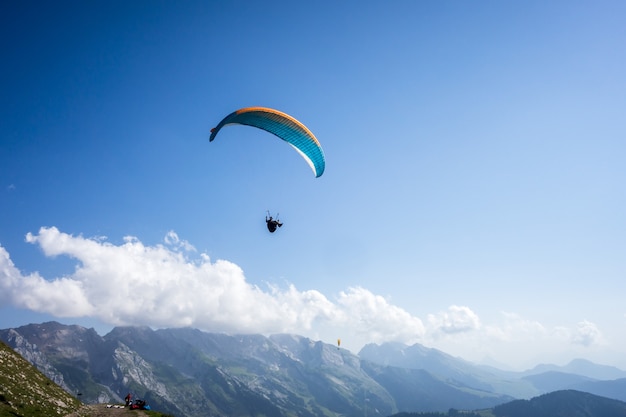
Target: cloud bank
{"points": [[172, 285]]}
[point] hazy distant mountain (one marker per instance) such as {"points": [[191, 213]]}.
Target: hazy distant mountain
{"points": [[555, 381], [578, 374], [417, 389], [581, 367], [186, 372], [453, 370], [611, 389], [568, 403]]}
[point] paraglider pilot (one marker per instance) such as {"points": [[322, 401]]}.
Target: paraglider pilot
{"points": [[272, 224]]}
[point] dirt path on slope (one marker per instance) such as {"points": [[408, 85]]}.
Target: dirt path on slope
{"points": [[105, 410]]}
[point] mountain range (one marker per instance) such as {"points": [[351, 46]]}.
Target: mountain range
{"points": [[187, 372]]}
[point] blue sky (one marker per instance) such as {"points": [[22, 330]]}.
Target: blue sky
{"points": [[473, 199]]}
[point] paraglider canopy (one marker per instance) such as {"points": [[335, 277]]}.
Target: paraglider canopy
{"points": [[283, 126]]}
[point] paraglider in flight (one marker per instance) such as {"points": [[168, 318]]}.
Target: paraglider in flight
{"points": [[285, 127], [272, 223]]}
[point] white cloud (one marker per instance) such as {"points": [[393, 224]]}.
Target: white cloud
{"points": [[458, 319], [515, 328], [162, 286], [373, 315], [62, 297], [172, 239], [587, 334]]}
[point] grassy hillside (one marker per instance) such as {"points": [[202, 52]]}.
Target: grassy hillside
{"points": [[25, 392]]}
